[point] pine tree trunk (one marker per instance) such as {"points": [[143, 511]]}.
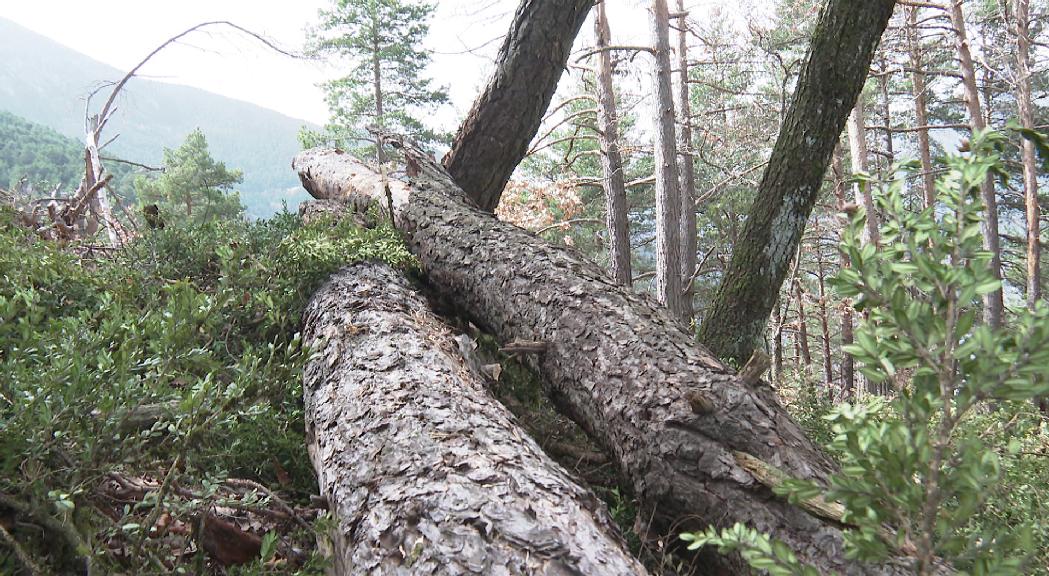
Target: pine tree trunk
{"points": [[495, 134], [839, 57], [686, 169], [611, 159], [859, 156], [424, 470], [803, 328], [380, 153], [668, 195], [921, 115], [886, 113], [993, 303], [828, 365], [692, 437], [848, 366], [1022, 13]]}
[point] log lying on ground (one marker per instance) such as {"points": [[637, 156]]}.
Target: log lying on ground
{"points": [[425, 472], [683, 428]]}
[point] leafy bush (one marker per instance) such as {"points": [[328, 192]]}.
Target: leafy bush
{"points": [[175, 363], [943, 459]]}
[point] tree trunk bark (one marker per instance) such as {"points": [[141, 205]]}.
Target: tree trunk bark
{"points": [[380, 153], [828, 366], [668, 195], [1022, 12], [611, 159], [858, 154], [686, 169], [803, 329], [426, 472], [688, 433], [494, 137], [921, 114], [993, 303], [848, 364], [839, 57]]}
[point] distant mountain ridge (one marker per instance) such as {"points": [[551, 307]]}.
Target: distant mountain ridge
{"points": [[46, 82]]}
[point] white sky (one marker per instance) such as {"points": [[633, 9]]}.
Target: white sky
{"points": [[465, 35]]}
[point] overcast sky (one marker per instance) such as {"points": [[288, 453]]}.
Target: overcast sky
{"points": [[465, 35]]}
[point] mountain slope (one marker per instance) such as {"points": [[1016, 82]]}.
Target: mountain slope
{"points": [[45, 82]]}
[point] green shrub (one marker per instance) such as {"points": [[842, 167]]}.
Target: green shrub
{"points": [[198, 325], [941, 461]]}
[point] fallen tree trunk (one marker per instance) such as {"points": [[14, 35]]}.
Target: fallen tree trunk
{"points": [[688, 433], [425, 472]]}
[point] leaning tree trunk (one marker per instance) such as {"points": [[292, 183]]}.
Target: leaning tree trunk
{"points": [[699, 444], [835, 69], [493, 139], [425, 472]]}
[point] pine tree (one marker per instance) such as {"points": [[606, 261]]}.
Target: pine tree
{"points": [[384, 88], [194, 186]]}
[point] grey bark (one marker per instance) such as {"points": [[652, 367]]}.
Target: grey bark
{"points": [[426, 472], [836, 66], [921, 114], [613, 181], [993, 303], [858, 155], [668, 196], [678, 424], [848, 365], [494, 137], [686, 169], [1022, 31]]}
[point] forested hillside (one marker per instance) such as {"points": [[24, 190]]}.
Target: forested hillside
{"points": [[46, 83], [43, 157], [696, 289]]}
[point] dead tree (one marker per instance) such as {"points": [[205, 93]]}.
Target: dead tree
{"points": [[699, 444], [425, 471], [494, 137]]}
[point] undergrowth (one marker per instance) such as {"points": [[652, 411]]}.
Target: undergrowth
{"points": [[146, 394]]}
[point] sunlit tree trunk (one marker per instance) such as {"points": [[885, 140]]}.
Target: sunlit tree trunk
{"points": [[848, 372], [1022, 14], [828, 365], [859, 156]]}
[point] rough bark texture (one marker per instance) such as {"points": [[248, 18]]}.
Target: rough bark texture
{"points": [[668, 194], [1022, 13], [839, 57], [425, 471], [613, 180], [993, 303], [686, 169], [921, 114], [675, 420], [494, 137]]}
